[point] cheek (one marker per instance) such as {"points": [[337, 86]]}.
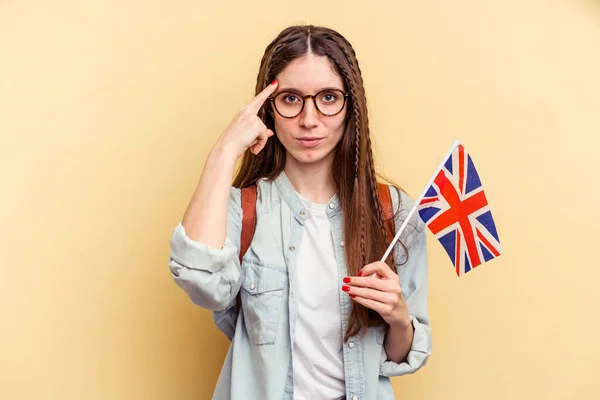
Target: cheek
{"points": [[283, 129], [338, 128]]}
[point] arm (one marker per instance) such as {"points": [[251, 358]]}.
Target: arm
{"points": [[206, 216], [205, 246], [210, 276], [413, 354], [398, 341]]}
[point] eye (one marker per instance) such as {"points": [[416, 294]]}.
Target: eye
{"points": [[329, 97], [290, 98]]}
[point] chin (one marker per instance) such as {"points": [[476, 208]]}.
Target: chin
{"points": [[308, 157]]}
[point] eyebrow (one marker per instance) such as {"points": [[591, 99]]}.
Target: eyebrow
{"points": [[294, 90]]}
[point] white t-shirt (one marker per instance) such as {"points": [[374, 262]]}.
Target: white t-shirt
{"points": [[318, 359]]}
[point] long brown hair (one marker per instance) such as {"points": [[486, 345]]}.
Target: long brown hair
{"points": [[353, 168]]}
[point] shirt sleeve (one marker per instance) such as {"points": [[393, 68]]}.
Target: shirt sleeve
{"points": [[209, 276], [226, 320], [412, 268]]}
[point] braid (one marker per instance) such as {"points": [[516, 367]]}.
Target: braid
{"points": [[368, 163], [374, 191], [348, 76], [266, 61], [356, 73], [356, 179], [269, 65], [371, 175], [356, 111]]}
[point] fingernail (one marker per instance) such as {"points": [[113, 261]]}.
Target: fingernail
{"points": [[274, 81], [346, 280], [346, 288], [352, 296], [360, 273]]}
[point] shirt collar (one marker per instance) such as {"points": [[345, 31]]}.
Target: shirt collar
{"points": [[289, 195]]}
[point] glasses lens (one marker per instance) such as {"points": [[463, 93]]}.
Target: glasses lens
{"points": [[330, 102], [288, 104]]}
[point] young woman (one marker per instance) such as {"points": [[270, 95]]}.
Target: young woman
{"points": [[320, 317]]}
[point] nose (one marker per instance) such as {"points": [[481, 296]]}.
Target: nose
{"points": [[309, 116]]}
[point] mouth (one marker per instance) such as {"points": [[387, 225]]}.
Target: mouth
{"points": [[309, 142]]}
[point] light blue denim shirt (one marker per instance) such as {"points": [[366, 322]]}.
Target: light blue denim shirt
{"points": [[258, 364]]}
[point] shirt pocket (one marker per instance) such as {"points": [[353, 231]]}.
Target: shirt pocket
{"points": [[262, 301]]}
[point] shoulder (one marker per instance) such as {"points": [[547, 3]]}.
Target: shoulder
{"points": [[267, 196]]}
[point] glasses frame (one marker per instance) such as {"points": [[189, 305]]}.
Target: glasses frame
{"points": [[313, 97]]}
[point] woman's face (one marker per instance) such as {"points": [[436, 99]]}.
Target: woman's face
{"points": [[311, 136]]}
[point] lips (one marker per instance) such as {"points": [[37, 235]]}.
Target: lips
{"points": [[309, 141]]}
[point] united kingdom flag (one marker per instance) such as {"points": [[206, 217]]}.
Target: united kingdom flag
{"points": [[456, 211]]}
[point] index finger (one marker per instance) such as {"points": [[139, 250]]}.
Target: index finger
{"points": [[379, 268], [260, 99]]}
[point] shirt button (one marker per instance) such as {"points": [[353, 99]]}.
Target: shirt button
{"points": [[292, 248], [331, 205], [342, 243], [302, 213], [252, 286], [351, 345], [354, 398]]}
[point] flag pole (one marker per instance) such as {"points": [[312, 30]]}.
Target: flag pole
{"points": [[412, 211]]}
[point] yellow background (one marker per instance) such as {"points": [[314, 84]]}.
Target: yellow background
{"points": [[108, 109]]}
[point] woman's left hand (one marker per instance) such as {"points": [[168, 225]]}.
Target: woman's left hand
{"points": [[378, 288]]}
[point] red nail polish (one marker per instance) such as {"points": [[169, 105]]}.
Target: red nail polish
{"points": [[274, 81], [360, 273], [346, 280], [346, 288], [352, 296]]}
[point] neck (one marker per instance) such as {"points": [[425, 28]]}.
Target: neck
{"points": [[313, 181]]}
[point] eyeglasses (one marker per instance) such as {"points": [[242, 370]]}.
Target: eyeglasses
{"points": [[328, 102]]}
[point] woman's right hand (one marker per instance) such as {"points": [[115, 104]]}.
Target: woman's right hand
{"points": [[247, 130]]}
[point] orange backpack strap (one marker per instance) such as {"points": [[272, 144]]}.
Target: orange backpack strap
{"points": [[248, 226], [248, 218], [385, 199]]}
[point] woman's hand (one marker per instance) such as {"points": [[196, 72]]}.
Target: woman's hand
{"points": [[247, 130], [205, 219], [378, 288]]}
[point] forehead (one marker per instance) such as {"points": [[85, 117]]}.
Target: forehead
{"points": [[310, 74]]}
